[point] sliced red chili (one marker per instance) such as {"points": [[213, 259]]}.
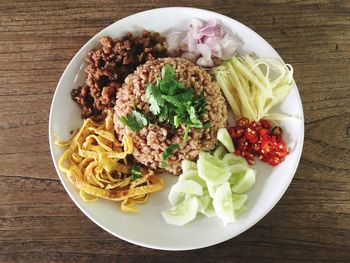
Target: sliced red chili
{"points": [[251, 161], [249, 155], [255, 126], [251, 135], [256, 147], [243, 122], [235, 132], [273, 160], [266, 145], [281, 150], [265, 124], [242, 144], [277, 130], [257, 139], [264, 132]]}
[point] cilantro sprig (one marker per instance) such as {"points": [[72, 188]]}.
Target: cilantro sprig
{"points": [[134, 120], [135, 172], [172, 102], [167, 153]]}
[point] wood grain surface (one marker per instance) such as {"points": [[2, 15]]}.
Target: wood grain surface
{"points": [[38, 221]]}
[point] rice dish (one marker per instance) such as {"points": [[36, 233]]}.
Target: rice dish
{"points": [[151, 141]]}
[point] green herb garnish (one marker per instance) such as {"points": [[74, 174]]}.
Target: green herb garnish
{"points": [[134, 120], [169, 150], [187, 129], [135, 172], [163, 164], [166, 154], [154, 97], [174, 103], [168, 72]]}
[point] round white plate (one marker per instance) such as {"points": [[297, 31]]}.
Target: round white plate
{"points": [[148, 227]]}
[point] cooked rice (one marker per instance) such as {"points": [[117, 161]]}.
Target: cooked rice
{"points": [[151, 141]]}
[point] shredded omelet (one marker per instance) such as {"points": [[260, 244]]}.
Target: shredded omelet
{"points": [[95, 162]]}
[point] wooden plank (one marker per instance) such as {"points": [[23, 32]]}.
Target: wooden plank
{"points": [[38, 221]]}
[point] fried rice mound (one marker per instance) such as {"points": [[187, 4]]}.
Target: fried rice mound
{"points": [[152, 140]]}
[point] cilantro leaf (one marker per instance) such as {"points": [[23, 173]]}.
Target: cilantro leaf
{"points": [[177, 121], [187, 95], [168, 72], [181, 85], [135, 172], [206, 125], [169, 87], [163, 164], [173, 102], [195, 122], [199, 103], [164, 114], [169, 150], [154, 97], [187, 130], [134, 120]]}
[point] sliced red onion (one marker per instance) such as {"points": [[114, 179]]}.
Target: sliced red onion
{"points": [[210, 29], [204, 50], [173, 41], [229, 45], [189, 56], [214, 43], [189, 44], [206, 63], [212, 22], [204, 43], [195, 25]]}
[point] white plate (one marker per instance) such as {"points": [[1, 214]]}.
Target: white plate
{"points": [[148, 228]]}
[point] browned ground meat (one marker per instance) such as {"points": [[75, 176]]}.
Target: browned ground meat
{"points": [[109, 65]]}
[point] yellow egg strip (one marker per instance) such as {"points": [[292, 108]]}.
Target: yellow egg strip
{"points": [[96, 164]]}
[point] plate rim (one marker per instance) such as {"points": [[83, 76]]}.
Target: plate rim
{"points": [[135, 242]]}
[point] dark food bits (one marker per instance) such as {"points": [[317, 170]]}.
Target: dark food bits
{"points": [[109, 65]]}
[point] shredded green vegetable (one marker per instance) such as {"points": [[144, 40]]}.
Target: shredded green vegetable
{"points": [[253, 86]]}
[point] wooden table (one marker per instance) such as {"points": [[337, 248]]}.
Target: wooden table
{"points": [[38, 221]]}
